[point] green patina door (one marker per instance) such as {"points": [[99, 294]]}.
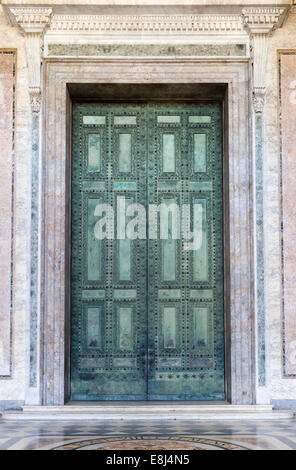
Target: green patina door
{"points": [[147, 314]]}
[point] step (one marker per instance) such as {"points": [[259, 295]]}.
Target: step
{"points": [[152, 412]]}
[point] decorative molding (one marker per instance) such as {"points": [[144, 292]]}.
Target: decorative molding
{"points": [[262, 20], [259, 55], [35, 99], [258, 100], [177, 24], [33, 47], [31, 20], [260, 23]]}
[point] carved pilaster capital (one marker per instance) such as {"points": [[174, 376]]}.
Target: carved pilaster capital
{"points": [[35, 99], [263, 20], [258, 100], [260, 23], [30, 19]]}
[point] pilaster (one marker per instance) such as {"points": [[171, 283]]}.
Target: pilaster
{"points": [[33, 22], [260, 23]]}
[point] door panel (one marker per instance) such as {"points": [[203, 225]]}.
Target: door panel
{"points": [[186, 331], [147, 315], [109, 322]]}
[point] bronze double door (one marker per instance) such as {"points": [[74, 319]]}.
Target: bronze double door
{"points": [[147, 314]]}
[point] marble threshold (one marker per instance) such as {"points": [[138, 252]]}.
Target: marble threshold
{"points": [[145, 411]]}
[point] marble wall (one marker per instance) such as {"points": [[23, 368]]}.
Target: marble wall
{"points": [[278, 206], [12, 387]]}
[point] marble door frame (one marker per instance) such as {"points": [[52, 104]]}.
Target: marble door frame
{"points": [[239, 298]]}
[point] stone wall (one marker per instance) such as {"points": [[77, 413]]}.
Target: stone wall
{"points": [[12, 387], [279, 175]]}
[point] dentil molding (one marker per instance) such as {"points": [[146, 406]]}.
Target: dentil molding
{"points": [[177, 24], [31, 20], [263, 20], [257, 20]]}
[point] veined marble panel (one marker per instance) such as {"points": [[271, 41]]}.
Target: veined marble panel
{"points": [[7, 65], [140, 50], [287, 64]]}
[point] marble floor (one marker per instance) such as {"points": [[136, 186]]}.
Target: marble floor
{"points": [[155, 435]]}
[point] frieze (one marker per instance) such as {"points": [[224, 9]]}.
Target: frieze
{"points": [[177, 24]]}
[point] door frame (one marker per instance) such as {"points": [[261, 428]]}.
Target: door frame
{"points": [[56, 200]]}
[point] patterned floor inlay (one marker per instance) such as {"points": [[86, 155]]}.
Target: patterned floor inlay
{"points": [[150, 443], [149, 435]]}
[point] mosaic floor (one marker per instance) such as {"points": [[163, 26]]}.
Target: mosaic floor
{"points": [[171, 435]]}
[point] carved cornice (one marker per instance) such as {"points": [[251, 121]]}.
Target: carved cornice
{"points": [[257, 21], [263, 20], [177, 24], [31, 20]]}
